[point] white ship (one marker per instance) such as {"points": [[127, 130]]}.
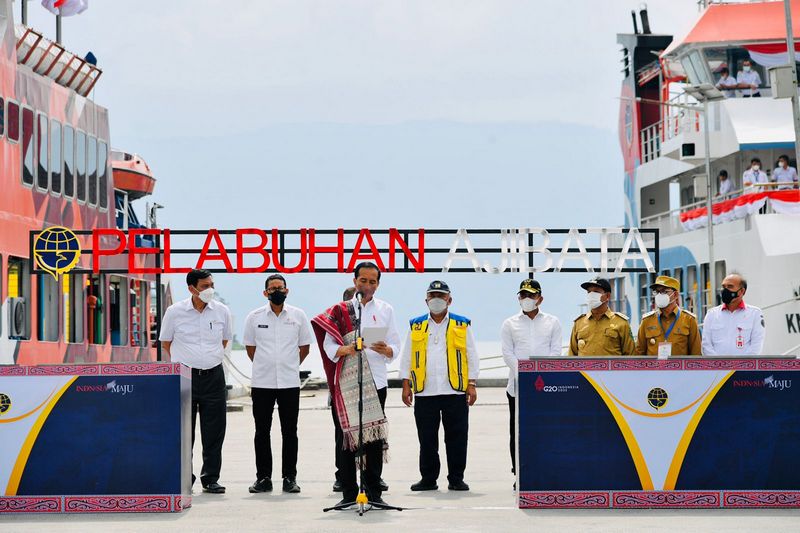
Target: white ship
{"points": [[756, 229]]}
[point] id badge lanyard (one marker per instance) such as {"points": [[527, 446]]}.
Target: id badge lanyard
{"points": [[669, 330]]}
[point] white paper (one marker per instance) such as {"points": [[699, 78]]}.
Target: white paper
{"points": [[373, 335], [664, 350]]}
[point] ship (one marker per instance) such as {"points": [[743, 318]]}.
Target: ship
{"points": [[667, 98], [57, 169]]}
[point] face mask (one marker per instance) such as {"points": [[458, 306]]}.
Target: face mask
{"points": [[528, 304], [756, 167], [206, 295], [727, 295], [662, 300], [746, 68], [594, 300], [277, 297], [437, 305]]}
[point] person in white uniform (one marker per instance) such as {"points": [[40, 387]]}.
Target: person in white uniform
{"points": [[748, 80], [529, 333], [754, 175], [785, 175], [277, 337], [727, 83], [733, 328]]}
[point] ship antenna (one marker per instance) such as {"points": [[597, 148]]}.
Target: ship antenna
{"points": [[635, 25]]}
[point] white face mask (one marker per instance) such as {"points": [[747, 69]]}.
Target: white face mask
{"points": [[662, 300], [756, 168], [594, 300], [206, 295], [746, 68], [528, 304], [437, 305]]}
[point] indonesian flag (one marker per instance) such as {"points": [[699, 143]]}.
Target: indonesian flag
{"points": [[783, 202], [65, 8], [771, 55]]}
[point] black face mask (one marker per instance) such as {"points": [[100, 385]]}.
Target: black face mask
{"points": [[277, 297], [727, 295]]}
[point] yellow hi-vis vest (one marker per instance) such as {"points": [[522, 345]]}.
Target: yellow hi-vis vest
{"points": [[457, 368]]}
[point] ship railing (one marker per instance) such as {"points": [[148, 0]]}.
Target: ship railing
{"points": [[675, 121], [669, 222]]}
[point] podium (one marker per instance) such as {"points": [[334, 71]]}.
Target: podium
{"points": [[638, 432], [95, 438]]}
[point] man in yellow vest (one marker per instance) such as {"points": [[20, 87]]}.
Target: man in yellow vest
{"points": [[669, 330], [439, 365]]}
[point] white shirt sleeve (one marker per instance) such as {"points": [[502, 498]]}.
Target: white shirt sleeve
{"points": [[473, 358], [305, 336], [555, 339], [227, 332], [507, 346], [249, 335], [405, 358], [167, 326], [707, 345], [757, 334], [392, 337], [330, 346]]}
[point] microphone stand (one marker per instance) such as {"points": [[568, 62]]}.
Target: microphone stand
{"points": [[362, 501]]}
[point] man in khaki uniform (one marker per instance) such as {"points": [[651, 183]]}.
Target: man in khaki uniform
{"points": [[669, 330], [601, 331]]}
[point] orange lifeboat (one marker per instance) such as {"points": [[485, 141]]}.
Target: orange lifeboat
{"points": [[132, 174]]}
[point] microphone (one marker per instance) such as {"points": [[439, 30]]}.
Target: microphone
{"points": [[359, 296]]}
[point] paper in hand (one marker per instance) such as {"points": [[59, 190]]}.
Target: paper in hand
{"points": [[373, 335]]}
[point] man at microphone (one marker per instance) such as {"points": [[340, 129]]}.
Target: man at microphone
{"points": [[336, 334]]}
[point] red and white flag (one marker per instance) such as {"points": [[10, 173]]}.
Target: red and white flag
{"points": [[66, 8], [771, 54], [783, 202]]}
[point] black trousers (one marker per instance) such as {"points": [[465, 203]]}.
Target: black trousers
{"points": [[512, 426], [338, 438], [453, 412], [288, 409], [208, 400], [374, 467]]}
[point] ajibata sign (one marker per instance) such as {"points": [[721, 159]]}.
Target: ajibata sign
{"points": [[312, 250]]}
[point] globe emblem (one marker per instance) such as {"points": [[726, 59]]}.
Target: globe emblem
{"points": [[657, 398], [5, 403], [56, 250]]}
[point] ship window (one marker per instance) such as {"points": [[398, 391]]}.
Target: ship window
{"points": [[118, 310], [42, 178], [55, 156], [91, 170], [644, 303], [691, 288], [139, 313], [47, 308], [678, 274], [28, 168], [19, 294], [72, 287], [13, 121], [80, 165], [102, 174], [69, 161], [2, 117], [95, 306], [699, 68]]}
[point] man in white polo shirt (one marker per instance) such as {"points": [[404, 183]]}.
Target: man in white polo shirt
{"points": [[531, 332], [733, 328], [194, 332], [276, 337]]}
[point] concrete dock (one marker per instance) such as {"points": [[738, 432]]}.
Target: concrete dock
{"points": [[489, 506]]}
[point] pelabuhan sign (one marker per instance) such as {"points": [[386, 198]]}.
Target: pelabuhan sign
{"points": [[312, 250]]}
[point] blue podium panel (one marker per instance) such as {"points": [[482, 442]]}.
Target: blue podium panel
{"points": [[641, 432], [95, 438]]}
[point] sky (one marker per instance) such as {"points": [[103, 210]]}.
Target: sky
{"points": [[436, 114]]}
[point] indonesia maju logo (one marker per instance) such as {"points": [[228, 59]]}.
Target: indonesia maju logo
{"points": [[657, 398], [5, 403], [56, 250]]}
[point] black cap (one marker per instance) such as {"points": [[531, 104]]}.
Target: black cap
{"points": [[530, 285], [438, 286], [597, 282]]}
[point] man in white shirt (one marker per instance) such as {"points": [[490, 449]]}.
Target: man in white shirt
{"points": [[733, 328], [440, 366], [725, 185], [194, 332], [529, 333], [785, 175], [374, 313], [727, 83], [754, 175], [748, 80], [277, 337]]}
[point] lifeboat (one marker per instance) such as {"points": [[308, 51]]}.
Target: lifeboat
{"points": [[132, 174]]}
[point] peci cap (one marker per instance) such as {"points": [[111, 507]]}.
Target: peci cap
{"points": [[668, 282], [597, 282], [530, 285], [438, 286]]}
